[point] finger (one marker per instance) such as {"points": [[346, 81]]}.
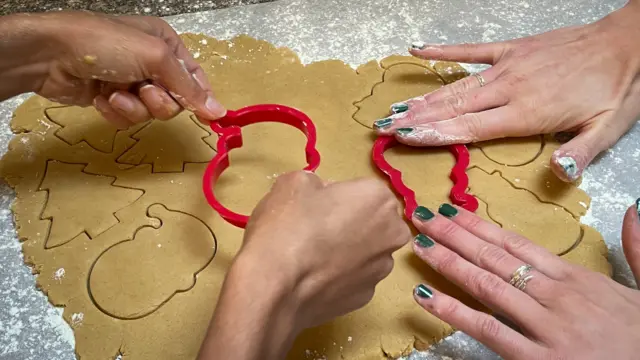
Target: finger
{"points": [[463, 85], [129, 106], [458, 104], [483, 327], [101, 103], [570, 160], [170, 72], [471, 127], [519, 247], [486, 287], [479, 252], [158, 102], [489, 53], [297, 180], [631, 239]]}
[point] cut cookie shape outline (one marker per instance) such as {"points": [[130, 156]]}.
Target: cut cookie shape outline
{"points": [[230, 137], [386, 68], [161, 159], [155, 207], [85, 231], [458, 175], [482, 149], [82, 138]]}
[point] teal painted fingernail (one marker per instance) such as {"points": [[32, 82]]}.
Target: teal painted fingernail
{"points": [[399, 108], [424, 241], [418, 45], [638, 207], [447, 210], [423, 213], [404, 131], [569, 166], [422, 291], [383, 123]]}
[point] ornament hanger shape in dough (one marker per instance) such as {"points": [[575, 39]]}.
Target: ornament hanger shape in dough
{"points": [[229, 131], [458, 175]]}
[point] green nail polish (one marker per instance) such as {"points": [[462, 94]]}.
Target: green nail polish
{"points": [[638, 207], [424, 241], [399, 108], [418, 45], [447, 210], [569, 166], [423, 213], [383, 123], [404, 131], [423, 292]]}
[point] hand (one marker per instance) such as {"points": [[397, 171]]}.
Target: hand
{"points": [[583, 79], [131, 68], [312, 251], [565, 311]]}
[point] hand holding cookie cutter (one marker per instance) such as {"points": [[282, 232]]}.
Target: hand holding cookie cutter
{"points": [[229, 131], [458, 175]]}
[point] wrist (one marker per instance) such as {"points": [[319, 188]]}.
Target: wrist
{"points": [[255, 317], [29, 41]]}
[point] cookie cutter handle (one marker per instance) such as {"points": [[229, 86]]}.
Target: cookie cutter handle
{"points": [[230, 137]]}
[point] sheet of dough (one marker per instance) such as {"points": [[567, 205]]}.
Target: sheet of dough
{"points": [[116, 226]]}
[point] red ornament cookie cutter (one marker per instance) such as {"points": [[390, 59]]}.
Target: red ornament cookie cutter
{"points": [[229, 131], [458, 175]]}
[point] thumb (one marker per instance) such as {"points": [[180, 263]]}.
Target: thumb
{"points": [[631, 239], [570, 160], [489, 53]]}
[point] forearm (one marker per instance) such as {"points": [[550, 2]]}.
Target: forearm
{"points": [[254, 318], [26, 47]]}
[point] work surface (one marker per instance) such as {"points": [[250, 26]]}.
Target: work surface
{"points": [[355, 32]]}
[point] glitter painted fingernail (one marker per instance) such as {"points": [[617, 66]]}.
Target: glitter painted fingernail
{"points": [[423, 213], [422, 291], [404, 131], [424, 241], [638, 207], [569, 166], [399, 108], [383, 123], [418, 45], [447, 210]]}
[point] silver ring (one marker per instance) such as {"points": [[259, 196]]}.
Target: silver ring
{"points": [[519, 279], [480, 79]]}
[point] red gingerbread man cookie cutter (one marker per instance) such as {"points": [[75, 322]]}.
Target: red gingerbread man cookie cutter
{"points": [[458, 175], [229, 131]]}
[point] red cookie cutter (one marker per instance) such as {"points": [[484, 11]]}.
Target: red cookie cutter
{"points": [[458, 175], [229, 131]]}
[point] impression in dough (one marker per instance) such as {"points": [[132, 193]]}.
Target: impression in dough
{"points": [[143, 277]]}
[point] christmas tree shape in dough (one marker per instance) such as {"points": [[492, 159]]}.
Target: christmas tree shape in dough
{"points": [[83, 124], [168, 145], [80, 203], [135, 277]]}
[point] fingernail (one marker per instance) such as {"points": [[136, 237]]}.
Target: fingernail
{"points": [[422, 291], [121, 103], [398, 108], [447, 210], [423, 213], [424, 241], [638, 207], [215, 108], [569, 166], [404, 131], [418, 45], [383, 123]]}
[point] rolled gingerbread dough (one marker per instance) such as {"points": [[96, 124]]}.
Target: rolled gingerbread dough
{"points": [[116, 227]]}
